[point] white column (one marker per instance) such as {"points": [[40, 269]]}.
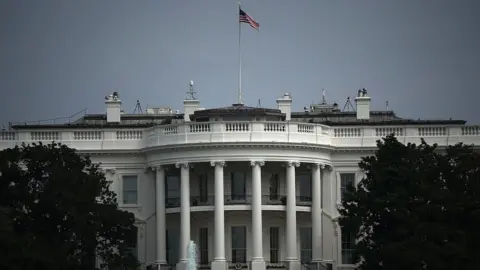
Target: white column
{"points": [[219, 261], [184, 213], [291, 235], [317, 254], [161, 257], [258, 262]]}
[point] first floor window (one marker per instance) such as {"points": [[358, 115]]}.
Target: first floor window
{"points": [[306, 244], [130, 189], [348, 246], [274, 244], [133, 248], [203, 243], [239, 244]]}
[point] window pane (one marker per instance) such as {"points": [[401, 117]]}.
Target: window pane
{"points": [[239, 244], [348, 246], [130, 189], [346, 180], [238, 186], [306, 244], [203, 245], [305, 187], [129, 183], [129, 197], [274, 244]]}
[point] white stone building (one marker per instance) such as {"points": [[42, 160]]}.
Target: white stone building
{"points": [[254, 188]]}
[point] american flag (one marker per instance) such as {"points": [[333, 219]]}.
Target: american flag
{"points": [[244, 18]]}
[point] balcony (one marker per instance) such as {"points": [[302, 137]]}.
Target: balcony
{"points": [[240, 199], [238, 132]]}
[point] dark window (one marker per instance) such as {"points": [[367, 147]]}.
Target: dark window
{"points": [[203, 186], [239, 244], [203, 243], [346, 180], [348, 246], [306, 244], [274, 244], [238, 186], [274, 187]]}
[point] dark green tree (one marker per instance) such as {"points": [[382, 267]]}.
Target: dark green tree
{"points": [[57, 212], [418, 207]]}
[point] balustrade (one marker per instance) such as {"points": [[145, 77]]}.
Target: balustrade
{"points": [[218, 132]]}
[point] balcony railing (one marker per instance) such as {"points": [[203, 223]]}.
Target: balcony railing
{"points": [[238, 199], [219, 132]]}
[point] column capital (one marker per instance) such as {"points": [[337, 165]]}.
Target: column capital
{"points": [[257, 162], [293, 163], [218, 162], [111, 171], [184, 165]]}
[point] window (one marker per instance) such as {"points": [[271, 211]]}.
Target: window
{"points": [[130, 189], [239, 244], [274, 244], [133, 248], [173, 238], [172, 188], [348, 246], [238, 186], [305, 180], [306, 244], [203, 187], [346, 180], [274, 187], [203, 244]]}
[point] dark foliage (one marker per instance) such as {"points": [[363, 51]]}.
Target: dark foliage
{"points": [[417, 208], [57, 212]]}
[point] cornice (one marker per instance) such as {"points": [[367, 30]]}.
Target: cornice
{"points": [[243, 145]]}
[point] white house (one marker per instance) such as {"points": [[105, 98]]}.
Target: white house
{"points": [[254, 188]]}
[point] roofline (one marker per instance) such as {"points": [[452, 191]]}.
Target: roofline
{"points": [[84, 126], [397, 122]]}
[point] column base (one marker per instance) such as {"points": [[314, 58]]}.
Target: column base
{"points": [[219, 265], [294, 265], [258, 265], [182, 265]]}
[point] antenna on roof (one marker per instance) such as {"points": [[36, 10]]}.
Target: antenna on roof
{"points": [[138, 108], [324, 101], [348, 105], [386, 106], [191, 93], [259, 105]]}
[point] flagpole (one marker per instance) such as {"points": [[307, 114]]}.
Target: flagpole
{"points": [[240, 98]]}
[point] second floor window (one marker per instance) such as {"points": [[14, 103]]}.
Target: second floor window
{"points": [[203, 187], [130, 189], [274, 187], [238, 186], [347, 180], [305, 181]]}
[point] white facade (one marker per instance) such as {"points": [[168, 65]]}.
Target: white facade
{"points": [[280, 208]]}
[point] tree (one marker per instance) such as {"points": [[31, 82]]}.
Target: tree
{"points": [[417, 208], [57, 212]]}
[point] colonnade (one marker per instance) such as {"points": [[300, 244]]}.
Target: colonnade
{"points": [[219, 260]]}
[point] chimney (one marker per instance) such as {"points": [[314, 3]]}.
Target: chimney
{"points": [[190, 104], [363, 104], [113, 108], [285, 105]]}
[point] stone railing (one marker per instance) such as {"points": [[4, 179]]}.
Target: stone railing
{"points": [[238, 132]]}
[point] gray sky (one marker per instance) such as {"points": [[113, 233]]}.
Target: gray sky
{"points": [[58, 57]]}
